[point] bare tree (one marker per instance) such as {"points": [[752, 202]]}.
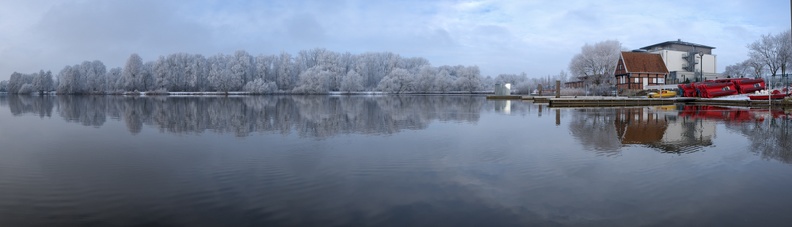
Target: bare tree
{"points": [[739, 70], [133, 73], [314, 81], [398, 81], [595, 64], [469, 79], [425, 79], [757, 68], [769, 51], [785, 50], [563, 76], [443, 82], [352, 82]]}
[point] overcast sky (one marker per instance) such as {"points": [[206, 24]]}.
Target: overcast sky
{"points": [[535, 37]]}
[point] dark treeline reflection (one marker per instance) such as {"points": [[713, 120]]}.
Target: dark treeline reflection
{"points": [[681, 129], [309, 116], [41, 106]]}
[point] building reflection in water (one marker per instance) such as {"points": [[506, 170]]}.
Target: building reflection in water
{"points": [[503, 106], [662, 128], [681, 128], [514, 107]]}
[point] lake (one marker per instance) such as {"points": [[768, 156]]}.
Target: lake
{"points": [[452, 160]]}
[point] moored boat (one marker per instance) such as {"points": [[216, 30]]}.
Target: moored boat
{"points": [[765, 95], [748, 86], [713, 89], [721, 87], [662, 94], [687, 90]]}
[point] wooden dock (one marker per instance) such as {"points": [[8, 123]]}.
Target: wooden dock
{"points": [[606, 102], [505, 97], [610, 101]]}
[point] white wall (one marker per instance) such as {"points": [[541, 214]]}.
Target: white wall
{"points": [[703, 131], [675, 60], [710, 63]]}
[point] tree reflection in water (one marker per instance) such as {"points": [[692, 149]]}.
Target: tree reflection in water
{"points": [[595, 128], [39, 105], [770, 135], [681, 129], [308, 116], [669, 129]]}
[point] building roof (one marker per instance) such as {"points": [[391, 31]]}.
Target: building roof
{"points": [[643, 62], [678, 42]]}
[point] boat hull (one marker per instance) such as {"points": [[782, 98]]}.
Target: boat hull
{"points": [[663, 94], [721, 87], [767, 97]]}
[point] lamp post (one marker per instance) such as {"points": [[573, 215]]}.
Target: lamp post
{"points": [[701, 67]]}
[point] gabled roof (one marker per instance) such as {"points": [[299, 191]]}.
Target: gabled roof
{"points": [[643, 62], [678, 42]]}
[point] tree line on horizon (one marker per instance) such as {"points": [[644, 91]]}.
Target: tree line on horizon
{"points": [[315, 71], [319, 71]]}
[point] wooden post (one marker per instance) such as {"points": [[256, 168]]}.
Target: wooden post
{"points": [[558, 89], [540, 90]]}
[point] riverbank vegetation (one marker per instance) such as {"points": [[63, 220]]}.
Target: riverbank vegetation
{"points": [[316, 71]]}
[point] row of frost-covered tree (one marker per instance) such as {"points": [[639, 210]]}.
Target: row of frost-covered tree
{"points": [[313, 71]]}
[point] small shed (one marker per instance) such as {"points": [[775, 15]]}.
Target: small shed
{"points": [[502, 89]]}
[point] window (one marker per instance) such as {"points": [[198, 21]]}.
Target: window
{"points": [[661, 80], [637, 80], [654, 80]]}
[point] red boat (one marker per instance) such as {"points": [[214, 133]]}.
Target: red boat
{"points": [[687, 90], [748, 86], [774, 95], [744, 85], [712, 89], [721, 87]]}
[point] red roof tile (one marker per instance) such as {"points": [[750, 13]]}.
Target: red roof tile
{"points": [[643, 62]]}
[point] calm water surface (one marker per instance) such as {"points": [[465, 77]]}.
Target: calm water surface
{"points": [[387, 161]]}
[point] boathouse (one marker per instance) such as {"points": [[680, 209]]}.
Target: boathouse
{"points": [[636, 70]]}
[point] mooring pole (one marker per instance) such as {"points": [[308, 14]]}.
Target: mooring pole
{"points": [[558, 87]]}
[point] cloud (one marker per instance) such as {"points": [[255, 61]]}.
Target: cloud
{"points": [[500, 36], [72, 32], [109, 28]]}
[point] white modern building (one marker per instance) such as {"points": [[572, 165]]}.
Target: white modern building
{"points": [[686, 60]]}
